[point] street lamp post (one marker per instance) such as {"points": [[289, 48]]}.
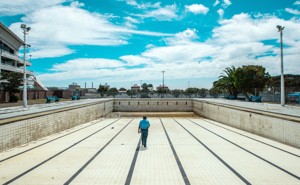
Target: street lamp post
{"points": [[25, 31], [163, 83], [282, 92]]}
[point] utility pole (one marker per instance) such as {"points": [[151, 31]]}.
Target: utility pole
{"points": [[282, 91], [163, 84], [25, 31]]}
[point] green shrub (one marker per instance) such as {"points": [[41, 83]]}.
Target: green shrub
{"points": [[13, 98]]}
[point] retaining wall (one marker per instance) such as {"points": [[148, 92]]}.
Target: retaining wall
{"points": [[153, 105], [22, 129], [279, 127], [19, 130]]}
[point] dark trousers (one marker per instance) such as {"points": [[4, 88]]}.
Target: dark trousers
{"points": [[144, 136]]}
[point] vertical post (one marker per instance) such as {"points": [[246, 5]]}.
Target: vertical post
{"points": [[25, 30], [24, 75], [282, 91], [1, 46], [163, 84]]}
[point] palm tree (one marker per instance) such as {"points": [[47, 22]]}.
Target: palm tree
{"points": [[226, 81]]}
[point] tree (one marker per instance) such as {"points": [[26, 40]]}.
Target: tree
{"points": [[145, 91], [246, 79], [225, 84], [291, 83], [113, 91], [122, 89], [202, 92], [250, 79], [214, 92], [144, 88], [102, 90], [176, 92], [161, 91], [131, 93], [14, 80], [150, 88], [189, 92], [227, 81]]}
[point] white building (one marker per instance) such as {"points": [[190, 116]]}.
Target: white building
{"points": [[10, 44], [135, 87], [9, 48]]}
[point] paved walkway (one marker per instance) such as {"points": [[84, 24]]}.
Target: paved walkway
{"points": [[180, 151], [267, 107], [9, 112]]}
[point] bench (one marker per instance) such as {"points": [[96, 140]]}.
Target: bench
{"points": [[75, 97], [52, 98], [255, 98], [231, 97], [295, 95]]}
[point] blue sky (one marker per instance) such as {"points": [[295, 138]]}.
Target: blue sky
{"points": [[126, 42]]}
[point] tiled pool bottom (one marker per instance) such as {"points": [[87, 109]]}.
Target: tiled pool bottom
{"points": [[181, 150]]}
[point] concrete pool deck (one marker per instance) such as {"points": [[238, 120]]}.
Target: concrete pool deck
{"points": [[268, 107], [181, 150]]}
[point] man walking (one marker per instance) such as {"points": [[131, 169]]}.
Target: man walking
{"points": [[143, 127]]}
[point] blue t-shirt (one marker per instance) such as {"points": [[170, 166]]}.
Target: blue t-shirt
{"points": [[144, 124]]}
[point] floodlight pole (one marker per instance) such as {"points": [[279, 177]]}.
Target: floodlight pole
{"points": [[282, 91], [25, 31], [163, 83]]}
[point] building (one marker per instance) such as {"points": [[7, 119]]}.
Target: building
{"points": [[162, 87], [74, 86], [135, 87], [106, 86], [10, 44], [9, 48], [150, 88]]}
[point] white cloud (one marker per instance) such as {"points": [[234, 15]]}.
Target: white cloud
{"points": [[185, 37], [216, 3], [226, 3], [50, 51], [237, 41], [133, 60], [131, 22], [155, 11], [148, 46], [242, 28], [221, 13], [77, 4], [62, 26], [292, 11], [132, 2], [87, 64], [297, 3], [166, 13], [197, 9], [143, 5], [10, 8]]}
